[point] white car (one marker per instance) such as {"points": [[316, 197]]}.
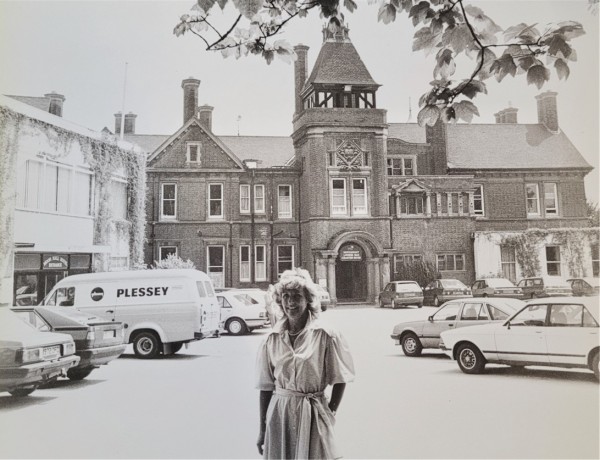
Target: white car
{"points": [[240, 312], [552, 331]]}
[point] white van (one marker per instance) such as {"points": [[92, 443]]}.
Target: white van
{"points": [[160, 309]]}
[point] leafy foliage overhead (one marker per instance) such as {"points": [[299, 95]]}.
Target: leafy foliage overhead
{"points": [[447, 29]]}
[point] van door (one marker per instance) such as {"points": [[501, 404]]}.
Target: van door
{"points": [[97, 299]]}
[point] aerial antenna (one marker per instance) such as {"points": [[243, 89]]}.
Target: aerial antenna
{"points": [[409, 111], [239, 118], [123, 105]]}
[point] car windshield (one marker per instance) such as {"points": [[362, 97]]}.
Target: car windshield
{"points": [[407, 287], [452, 284], [594, 282], [499, 282], [509, 305]]}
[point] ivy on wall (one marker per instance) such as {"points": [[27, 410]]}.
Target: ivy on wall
{"points": [[104, 157], [573, 243]]}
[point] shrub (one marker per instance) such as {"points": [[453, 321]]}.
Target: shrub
{"points": [[173, 261], [420, 271]]}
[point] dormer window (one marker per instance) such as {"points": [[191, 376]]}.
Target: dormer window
{"points": [[402, 166], [193, 152]]}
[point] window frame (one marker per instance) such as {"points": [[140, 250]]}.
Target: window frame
{"points": [[279, 261], [280, 214], [536, 200], [454, 256], [257, 209], [345, 206], [365, 194], [210, 200], [554, 263], [168, 246], [163, 216], [403, 258], [242, 262], [257, 262], [244, 210], [403, 168], [188, 158], [551, 212], [478, 212]]}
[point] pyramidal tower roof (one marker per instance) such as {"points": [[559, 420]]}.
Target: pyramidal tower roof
{"points": [[339, 62]]}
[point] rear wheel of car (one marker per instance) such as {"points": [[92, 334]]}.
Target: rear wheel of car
{"points": [[420, 305], [146, 345], [411, 345], [485, 294], [436, 301], [595, 364], [381, 304], [470, 360], [79, 374], [235, 326], [20, 392]]}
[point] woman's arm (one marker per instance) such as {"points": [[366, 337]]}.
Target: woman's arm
{"points": [[264, 400], [337, 392]]}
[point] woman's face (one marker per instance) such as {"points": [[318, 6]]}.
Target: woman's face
{"points": [[294, 303]]}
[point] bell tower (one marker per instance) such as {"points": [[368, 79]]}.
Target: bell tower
{"points": [[340, 139]]}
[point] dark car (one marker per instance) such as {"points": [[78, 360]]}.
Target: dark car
{"points": [[544, 286], [585, 286], [399, 293], [439, 291], [30, 358], [97, 341]]}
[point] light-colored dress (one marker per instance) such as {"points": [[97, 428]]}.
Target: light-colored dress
{"points": [[299, 422]]}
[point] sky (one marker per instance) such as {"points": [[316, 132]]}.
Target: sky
{"points": [[80, 49]]}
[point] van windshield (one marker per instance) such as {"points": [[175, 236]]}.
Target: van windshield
{"points": [[209, 289], [200, 287]]}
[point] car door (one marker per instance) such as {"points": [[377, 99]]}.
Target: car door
{"points": [[523, 339], [473, 314], [442, 320], [571, 334]]}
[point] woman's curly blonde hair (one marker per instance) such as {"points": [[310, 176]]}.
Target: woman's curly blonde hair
{"points": [[299, 279]]}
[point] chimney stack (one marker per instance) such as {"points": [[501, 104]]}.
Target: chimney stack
{"points": [[129, 127], [300, 74], [508, 115], [56, 103], [205, 115], [547, 111], [190, 97]]}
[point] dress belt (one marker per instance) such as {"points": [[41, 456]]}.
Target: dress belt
{"points": [[303, 441]]}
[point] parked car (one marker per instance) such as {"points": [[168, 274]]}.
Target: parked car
{"points": [[26, 295], [585, 286], [544, 286], [439, 291], [399, 293], [324, 297], [496, 287], [416, 335], [554, 331], [97, 341], [240, 313], [28, 357]]}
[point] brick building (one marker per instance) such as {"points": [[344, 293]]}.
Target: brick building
{"points": [[351, 197]]}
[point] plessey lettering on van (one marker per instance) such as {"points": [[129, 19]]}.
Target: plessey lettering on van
{"points": [[142, 292]]}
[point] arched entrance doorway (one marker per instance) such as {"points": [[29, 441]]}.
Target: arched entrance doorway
{"points": [[351, 274]]}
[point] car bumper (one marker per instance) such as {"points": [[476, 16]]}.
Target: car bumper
{"points": [[507, 296], [415, 300], [99, 356], [446, 298], [446, 350], [36, 373], [257, 323]]}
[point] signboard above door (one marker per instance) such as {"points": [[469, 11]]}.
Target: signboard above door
{"points": [[56, 262], [351, 252]]}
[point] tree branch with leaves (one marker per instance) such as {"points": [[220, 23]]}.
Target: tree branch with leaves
{"points": [[452, 29]]}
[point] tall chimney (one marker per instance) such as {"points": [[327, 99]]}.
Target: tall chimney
{"points": [[300, 74], [547, 111], [129, 127], [205, 115], [437, 137], [190, 97], [56, 103], [118, 116], [508, 115]]}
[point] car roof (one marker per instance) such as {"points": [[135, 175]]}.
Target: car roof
{"points": [[404, 282], [514, 304], [592, 281], [591, 303]]}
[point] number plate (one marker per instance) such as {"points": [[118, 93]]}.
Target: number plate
{"points": [[109, 334], [51, 352]]}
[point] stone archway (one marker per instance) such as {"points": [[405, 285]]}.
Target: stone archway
{"points": [[351, 273]]}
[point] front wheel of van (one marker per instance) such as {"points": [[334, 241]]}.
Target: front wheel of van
{"points": [[235, 326], [146, 345]]}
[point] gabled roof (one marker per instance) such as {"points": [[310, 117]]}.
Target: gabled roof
{"points": [[148, 142], [269, 151], [185, 127], [407, 132], [339, 63], [510, 146]]}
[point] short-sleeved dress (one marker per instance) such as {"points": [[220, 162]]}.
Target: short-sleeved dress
{"points": [[299, 422]]}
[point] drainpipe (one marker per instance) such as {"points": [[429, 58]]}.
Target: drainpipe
{"points": [[230, 253], [252, 251], [300, 210]]}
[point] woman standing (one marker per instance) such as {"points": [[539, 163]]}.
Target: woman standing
{"points": [[295, 364]]}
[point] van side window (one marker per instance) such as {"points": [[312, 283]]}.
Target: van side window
{"points": [[200, 287], [65, 297], [209, 289]]}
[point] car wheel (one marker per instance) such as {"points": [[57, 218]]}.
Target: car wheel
{"points": [[381, 304], [436, 301], [420, 305], [146, 345], [394, 306], [470, 360], [411, 345], [21, 392], [533, 296], [235, 326], [595, 363], [79, 374], [485, 294]]}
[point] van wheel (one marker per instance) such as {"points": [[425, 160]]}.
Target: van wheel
{"points": [[146, 345], [235, 326], [79, 374]]}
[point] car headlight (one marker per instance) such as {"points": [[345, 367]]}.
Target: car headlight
{"points": [[68, 348], [91, 336], [31, 355]]}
